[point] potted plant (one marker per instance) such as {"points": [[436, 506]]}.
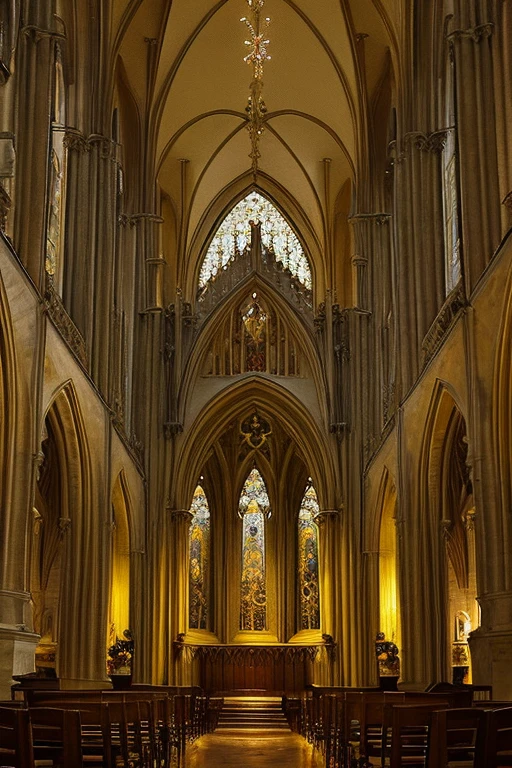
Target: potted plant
{"points": [[119, 661]]}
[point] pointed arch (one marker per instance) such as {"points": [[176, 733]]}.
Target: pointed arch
{"points": [[233, 402], [389, 599], [225, 201], [448, 536], [233, 238], [8, 401], [299, 328], [84, 558], [119, 618]]}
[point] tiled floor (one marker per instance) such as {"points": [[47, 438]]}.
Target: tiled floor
{"points": [[251, 749]]}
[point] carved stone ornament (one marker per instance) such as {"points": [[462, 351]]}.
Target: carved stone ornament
{"points": [[75, 140], [255, 431], [328, 514], [249, 655], [64, 323], [137, 446], [443, 322], [507, 202], [338, 428], [172, 429], [477, 34], [469, 519], [378, 218], [36, 34], [64, 524], [180, 516], [428, 142], [320, 317], [5, 207]]}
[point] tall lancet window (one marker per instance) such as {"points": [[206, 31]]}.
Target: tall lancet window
{"points": [[199, 561], [308, 561], [253, 508]]}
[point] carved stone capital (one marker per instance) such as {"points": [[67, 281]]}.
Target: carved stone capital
{"points": [[76, 141], [338, 428], [172, 429], [378, 218], [428, 142], [180, 516], [136, 217], [36, 34], [107, 146], [477, 34], [359, 261]]}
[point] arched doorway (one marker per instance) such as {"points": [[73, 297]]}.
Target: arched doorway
{"points": [[452, 516], [389, 598], [119, 613]]}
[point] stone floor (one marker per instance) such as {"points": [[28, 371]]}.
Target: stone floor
{"points": [[251, 748]]}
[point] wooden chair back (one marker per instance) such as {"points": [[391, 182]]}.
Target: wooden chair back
{"points": [[497, 751], [56, 735], [16, 738], [455, 736], [408, 738]]}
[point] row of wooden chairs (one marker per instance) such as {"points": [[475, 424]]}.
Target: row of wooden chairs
{"points": [[73, 728], [353, 726]]}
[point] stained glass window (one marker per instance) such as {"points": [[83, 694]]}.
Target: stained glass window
{"points": [[308, 561], [253, 507], [233, 238], [255, 323], [199, 561]]}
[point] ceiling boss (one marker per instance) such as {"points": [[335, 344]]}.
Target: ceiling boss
{"points": [[257, 56]]}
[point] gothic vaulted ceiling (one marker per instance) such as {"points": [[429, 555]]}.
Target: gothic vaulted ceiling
{"points": [[183, 63]]}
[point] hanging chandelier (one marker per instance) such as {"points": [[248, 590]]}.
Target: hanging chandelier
{"points": [[257, 56]]}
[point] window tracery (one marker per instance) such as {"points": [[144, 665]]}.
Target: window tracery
{"points": [[199, 548], [233, 238], [308, 561], [253, 508], [254, 338]]}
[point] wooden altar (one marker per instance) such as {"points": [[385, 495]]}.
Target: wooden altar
{"points": [[272, 669]]}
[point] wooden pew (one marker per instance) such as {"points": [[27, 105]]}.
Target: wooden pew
{"points": [[56, 736], [408, 727], [455, 737], [497, 749], [16, 738]]}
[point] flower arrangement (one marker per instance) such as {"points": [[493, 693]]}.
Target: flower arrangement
{"points": [[120, 655]]}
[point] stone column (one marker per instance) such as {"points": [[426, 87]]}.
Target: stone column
{"points": [[375, 280], [420, 243], [148, 233], [474, 49], [178, 588], [370, 615], [328, 521], [34, 78], [90, 245], [139, 623]]}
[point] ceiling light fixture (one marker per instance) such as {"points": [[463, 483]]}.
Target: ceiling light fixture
{"points": [[257, 56]]}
